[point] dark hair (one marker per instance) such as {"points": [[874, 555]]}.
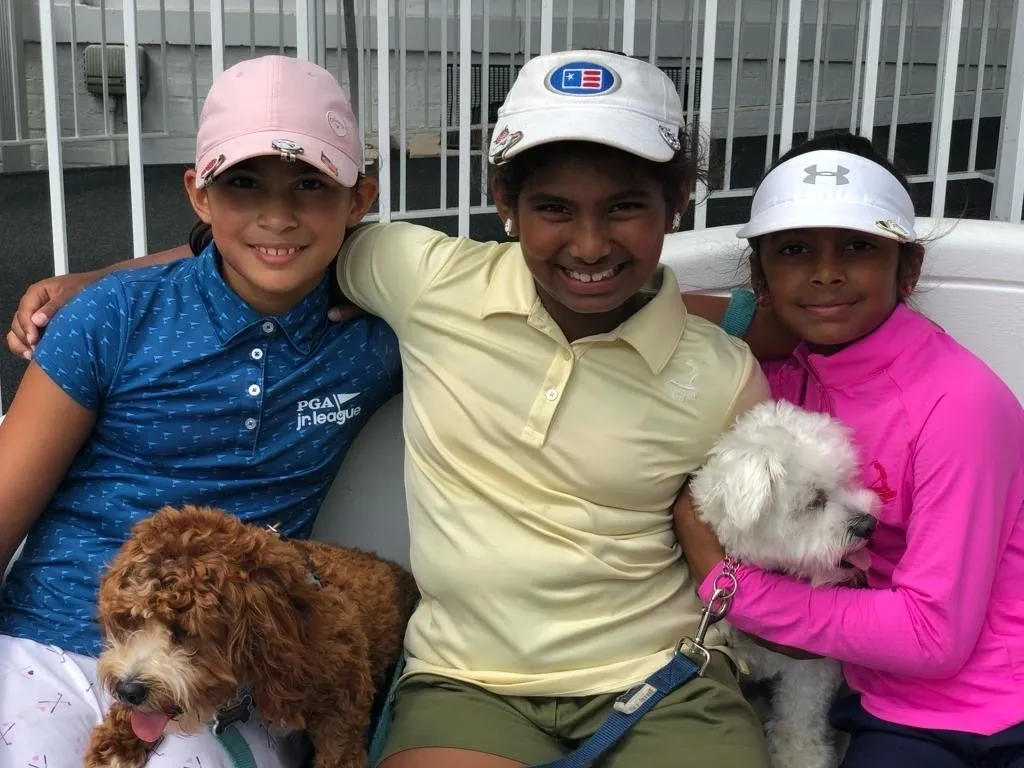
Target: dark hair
{"points": [[200, 237], [850, 143], [855, 145]]}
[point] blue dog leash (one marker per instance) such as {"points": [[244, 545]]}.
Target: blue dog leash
{"points": [[627, 711], [690, 660]]}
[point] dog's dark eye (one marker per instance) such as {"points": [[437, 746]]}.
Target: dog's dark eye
{"points": [[819, 500], [178, 633]]}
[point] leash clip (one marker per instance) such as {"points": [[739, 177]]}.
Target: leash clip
{"points": [[693, 648], [695, 652]]}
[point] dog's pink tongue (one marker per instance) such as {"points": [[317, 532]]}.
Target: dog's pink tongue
{"points": [[149, 726], [859, 559]]}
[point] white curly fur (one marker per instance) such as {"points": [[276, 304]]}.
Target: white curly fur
{"points": [[780, 490]]}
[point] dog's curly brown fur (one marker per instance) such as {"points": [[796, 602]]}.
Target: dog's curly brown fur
{"points": [[197, 603]]}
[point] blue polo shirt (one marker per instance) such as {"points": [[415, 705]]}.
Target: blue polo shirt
{"points": [[199, 399]]}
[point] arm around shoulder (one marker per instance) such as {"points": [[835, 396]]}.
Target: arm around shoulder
{"points": [[42, 300], [757, 325], [383, 268]]}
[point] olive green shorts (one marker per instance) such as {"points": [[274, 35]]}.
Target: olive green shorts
{"points": [[705, 723]]}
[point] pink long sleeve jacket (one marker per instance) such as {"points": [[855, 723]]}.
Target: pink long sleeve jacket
{"points": [[937, 638]]}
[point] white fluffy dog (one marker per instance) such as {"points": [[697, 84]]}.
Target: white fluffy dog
{"points": [[780, 490]]}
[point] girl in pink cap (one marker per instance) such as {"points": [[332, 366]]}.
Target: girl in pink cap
{"points": [[933, 649], [557, 393], [202, 381]]}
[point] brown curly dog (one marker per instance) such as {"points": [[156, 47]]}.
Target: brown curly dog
{"points": [[200, 609]]}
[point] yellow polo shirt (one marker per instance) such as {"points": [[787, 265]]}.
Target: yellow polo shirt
{"points": [[540, 475]]}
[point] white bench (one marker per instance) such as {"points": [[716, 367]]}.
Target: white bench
{"points": [[973, 285]]}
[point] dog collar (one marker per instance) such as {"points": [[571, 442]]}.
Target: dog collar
{"points": [[238, 710]]}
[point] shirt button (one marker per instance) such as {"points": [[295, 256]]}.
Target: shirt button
{"points": [[552, 394], [257, 354], [254, 389], [250, 424], [567, 355], [268, 326]]}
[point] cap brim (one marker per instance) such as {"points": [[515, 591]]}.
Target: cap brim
{"points": [[839, 214], [330, 160], [617, 128]]}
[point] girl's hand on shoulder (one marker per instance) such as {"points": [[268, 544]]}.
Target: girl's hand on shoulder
{"points": [[343, 312], [39, 304]]}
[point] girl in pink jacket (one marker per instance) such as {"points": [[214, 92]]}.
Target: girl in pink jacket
{"points": [[934, 647]]}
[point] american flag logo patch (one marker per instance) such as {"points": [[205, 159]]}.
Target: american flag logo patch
{"points": [[582, 78]]}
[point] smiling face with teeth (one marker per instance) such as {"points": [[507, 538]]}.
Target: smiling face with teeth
{"points": [[591, 221], [277, 226]]}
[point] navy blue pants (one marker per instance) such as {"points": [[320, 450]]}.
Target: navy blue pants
{"points": [[878, 744]]}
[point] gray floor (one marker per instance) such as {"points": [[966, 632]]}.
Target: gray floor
{"points": [[99, 219]]}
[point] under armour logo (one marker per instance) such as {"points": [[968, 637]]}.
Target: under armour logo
{"points": [[839, 174]]}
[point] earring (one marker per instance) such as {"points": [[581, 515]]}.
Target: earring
{"points": [[677, 221], [508, 227]]}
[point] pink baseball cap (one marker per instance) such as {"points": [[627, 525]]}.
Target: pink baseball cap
{"points": [[278, 105]]}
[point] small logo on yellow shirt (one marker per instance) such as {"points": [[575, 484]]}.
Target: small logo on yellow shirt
{"points": [[684, 388]]}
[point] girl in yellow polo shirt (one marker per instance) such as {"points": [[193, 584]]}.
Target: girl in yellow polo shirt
{"points": [[556, 397]]}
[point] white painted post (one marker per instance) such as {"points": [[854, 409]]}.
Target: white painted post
{"points": [[547, 20], [944, 122], [133, 108], [707, 66], [465, 109], [216, 35], [384, 109], [871, 59], [789, 77], [1008, 195], [54, 158], [628, 26]]}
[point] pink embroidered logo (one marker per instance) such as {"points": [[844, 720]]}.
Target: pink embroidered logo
{"points": [[881, 484]]}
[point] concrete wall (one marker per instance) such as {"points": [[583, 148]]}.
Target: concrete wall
{"points": [[180, 74]]}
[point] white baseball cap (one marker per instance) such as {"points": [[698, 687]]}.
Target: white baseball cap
{"points": [[594, 96], [830, 188]]}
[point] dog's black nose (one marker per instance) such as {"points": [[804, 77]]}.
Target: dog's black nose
{"points": [[132, 692], [863, 526]]}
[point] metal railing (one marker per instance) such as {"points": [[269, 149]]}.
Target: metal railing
{"points": [[430, 73]]}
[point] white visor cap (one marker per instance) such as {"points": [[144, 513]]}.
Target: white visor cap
{"points": [[829, 188]]}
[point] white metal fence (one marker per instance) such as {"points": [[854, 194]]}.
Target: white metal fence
{"points": [[122, 81]]}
